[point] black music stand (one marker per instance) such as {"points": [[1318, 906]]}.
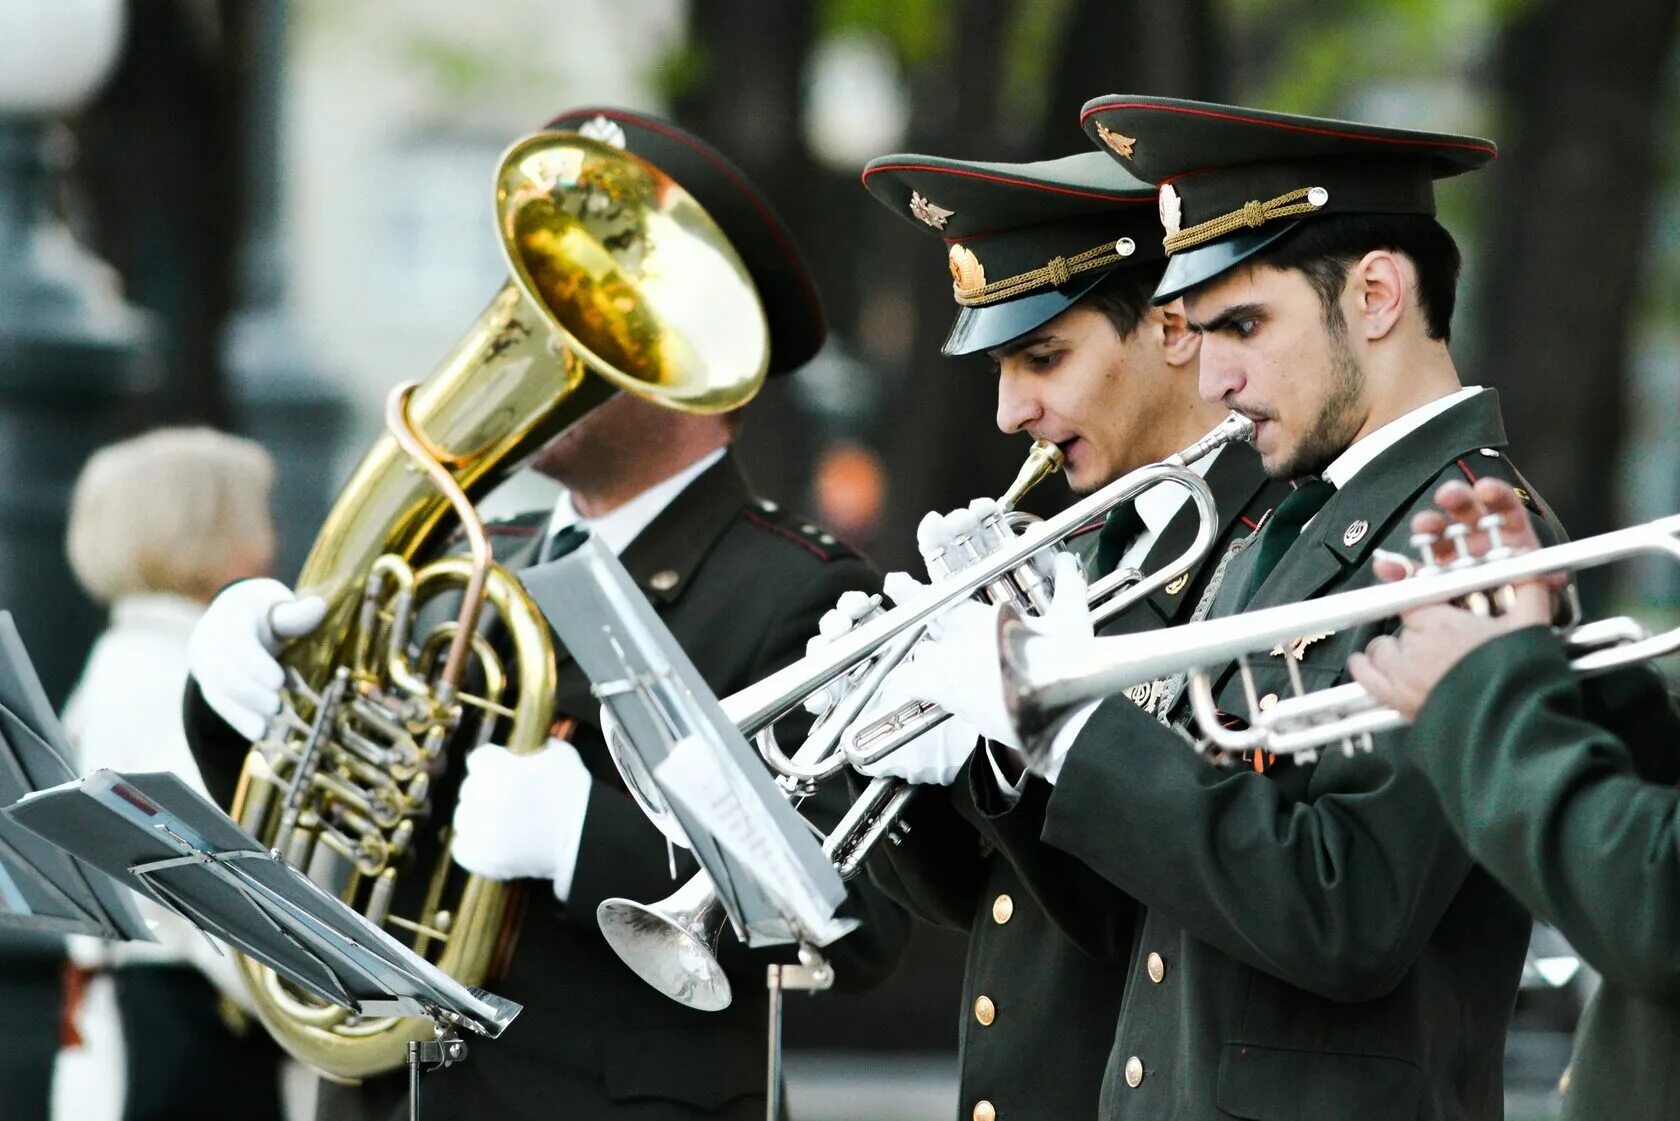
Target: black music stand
{"points": [[43, 888], [158, 836]]}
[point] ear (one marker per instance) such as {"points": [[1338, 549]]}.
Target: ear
{"points": [[1380, 286], [1179, 342]]}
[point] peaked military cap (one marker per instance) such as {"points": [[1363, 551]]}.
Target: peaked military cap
{"points": [[789, 295], [1024, 241], [1234, 180]]}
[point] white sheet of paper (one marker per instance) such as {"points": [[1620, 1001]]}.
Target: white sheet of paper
{"points": [[693, 774]]}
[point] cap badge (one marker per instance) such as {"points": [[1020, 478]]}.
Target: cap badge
{"points": [[605, 130], [934, 216], [1119, 142], [1172, 209], [966, 272]]}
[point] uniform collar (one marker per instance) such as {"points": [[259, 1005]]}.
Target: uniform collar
{"points": [[1235, 475], [1345, 466], [1359, 514], [618, 527]]}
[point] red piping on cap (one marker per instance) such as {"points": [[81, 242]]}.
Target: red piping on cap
{"points": [[742, 184], [1004, 179], [1405, 141]]}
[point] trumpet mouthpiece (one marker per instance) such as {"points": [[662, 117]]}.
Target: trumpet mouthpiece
{"points": [[1044, 460]]}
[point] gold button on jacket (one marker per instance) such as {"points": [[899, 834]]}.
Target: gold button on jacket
{"points": [[1003, 909], [984, 1111], [985, 1011]]}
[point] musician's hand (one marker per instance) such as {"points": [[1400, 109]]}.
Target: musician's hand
{"points": [[1401, 670], [848, 611], [958, 669], [520, 816], [951, 542], [234, 647]]}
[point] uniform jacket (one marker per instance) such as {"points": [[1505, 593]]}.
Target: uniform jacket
{"points": [[1038, 1011], [1310, 941], [1566, 793], [741, 584]]}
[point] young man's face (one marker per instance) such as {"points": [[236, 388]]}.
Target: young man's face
{"points": [[1269, 352], [1099, 397]]}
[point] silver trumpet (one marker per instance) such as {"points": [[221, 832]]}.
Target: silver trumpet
{"points": [[1046, 681], [673, 944]]}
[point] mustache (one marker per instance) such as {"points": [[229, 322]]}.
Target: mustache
{"points": [[1255, 413]]}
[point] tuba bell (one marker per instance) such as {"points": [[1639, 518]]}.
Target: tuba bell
{"points": [[620, 280]]}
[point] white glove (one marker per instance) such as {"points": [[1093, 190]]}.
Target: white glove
{"points": [[836, 621], [233, 647], [958, 667], [934, 757], [521, 816]]}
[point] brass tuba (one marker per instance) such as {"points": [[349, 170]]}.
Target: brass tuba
{"points": [[620, 281]]}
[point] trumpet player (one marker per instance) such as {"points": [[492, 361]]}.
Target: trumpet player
{"points": [[1563, 790], [1308, 940], [1082, 360], [740, 583]]}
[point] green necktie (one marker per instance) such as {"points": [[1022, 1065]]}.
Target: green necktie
{"points": [[1119, 530], [1294, 512]]}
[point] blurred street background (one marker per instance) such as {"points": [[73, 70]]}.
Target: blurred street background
{"points": [[280, 209]]}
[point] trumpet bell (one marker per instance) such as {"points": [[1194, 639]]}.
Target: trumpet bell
{"points": [[670, 946]]}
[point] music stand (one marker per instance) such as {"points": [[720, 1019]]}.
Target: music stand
{"points": [[681, 750], [157, 835], [43, 888]]}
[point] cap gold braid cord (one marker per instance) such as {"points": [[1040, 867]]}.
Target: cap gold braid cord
{"points": [[1058, 272], [1250, 216]]}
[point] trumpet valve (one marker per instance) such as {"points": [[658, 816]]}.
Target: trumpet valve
{"points": [[1494, 526], [1424, 544], [1458, 534]]}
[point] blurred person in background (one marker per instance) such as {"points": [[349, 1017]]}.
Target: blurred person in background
{"points": [[157, 525]]}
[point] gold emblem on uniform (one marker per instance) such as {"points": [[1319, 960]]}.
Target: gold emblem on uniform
{"points": [[965, 269], [1171, 208], [1178, 585], [934, 216], [1147, 695], [1119, 142], [1299, 647]]}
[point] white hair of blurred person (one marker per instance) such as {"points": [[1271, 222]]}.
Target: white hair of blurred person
{"points": [[179, 511], [158, 524]]}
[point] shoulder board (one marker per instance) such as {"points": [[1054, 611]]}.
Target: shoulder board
{"points": [[773, 519], [1493, 463]]}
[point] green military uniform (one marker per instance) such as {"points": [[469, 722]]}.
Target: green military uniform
{"points": [[1311, 941], [741, 585], [1038, 1006], [1566, 793]]}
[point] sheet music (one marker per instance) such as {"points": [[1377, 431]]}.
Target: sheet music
{"points": [[694, 774]]}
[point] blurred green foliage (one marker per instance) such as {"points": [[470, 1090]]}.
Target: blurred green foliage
{"points": [[919, 30]]}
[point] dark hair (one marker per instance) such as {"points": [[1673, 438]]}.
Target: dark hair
{"points": [[1124, 295], [1324, 249]]}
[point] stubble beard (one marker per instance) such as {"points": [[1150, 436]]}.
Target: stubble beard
{"points": [[1338, 417]]}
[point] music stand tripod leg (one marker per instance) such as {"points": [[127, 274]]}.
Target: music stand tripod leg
{"points": [[813, 974], [435, 1054]]}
